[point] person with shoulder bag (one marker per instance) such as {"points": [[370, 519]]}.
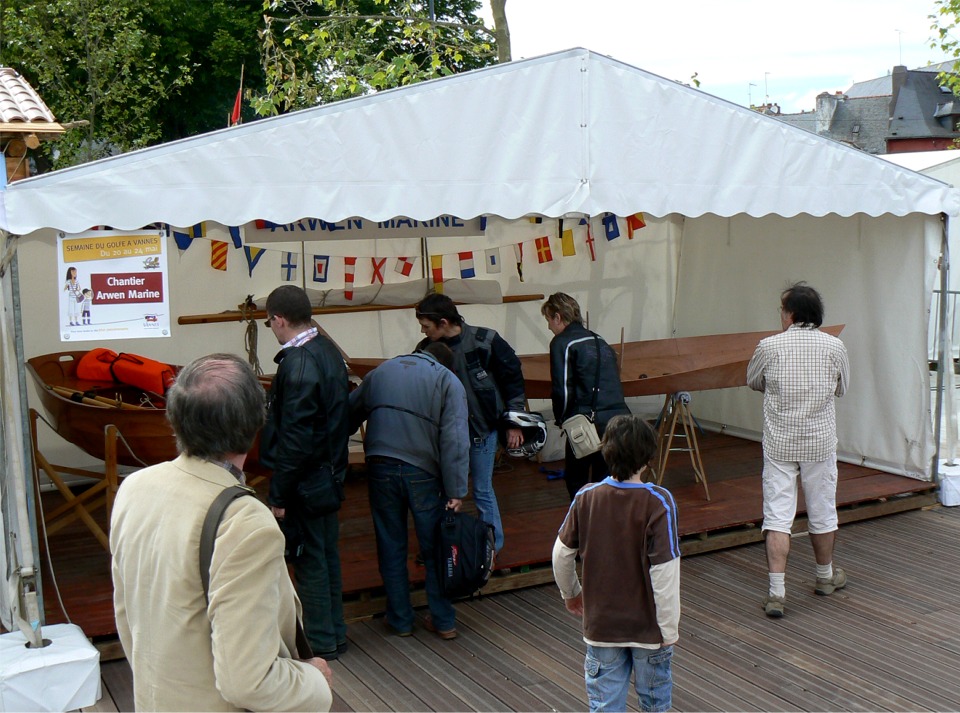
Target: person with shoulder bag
{"points": [[585, 389]]}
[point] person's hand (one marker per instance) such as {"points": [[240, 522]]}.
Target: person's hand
{"points": [[278, 513], [324, 667], [454, 504], [514, 438], [671, 643], [575, 605]]}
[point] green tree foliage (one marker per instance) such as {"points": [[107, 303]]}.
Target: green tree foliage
{"points": [[138, 71], [944, 22], [316, 51]]}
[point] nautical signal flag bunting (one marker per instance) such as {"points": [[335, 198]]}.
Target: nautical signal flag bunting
{"points": [[218, 255]]}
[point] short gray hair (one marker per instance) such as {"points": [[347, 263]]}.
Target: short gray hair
{"points": [[216, 407]]}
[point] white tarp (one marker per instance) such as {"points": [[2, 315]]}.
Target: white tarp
{"points": [[571, 132]]}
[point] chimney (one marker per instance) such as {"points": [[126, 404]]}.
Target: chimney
{"points": [[897, 81]]}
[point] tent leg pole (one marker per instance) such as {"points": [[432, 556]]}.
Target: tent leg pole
{"points": [[944, 356]]}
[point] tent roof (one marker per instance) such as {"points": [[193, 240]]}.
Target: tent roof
{"points": [[570, 132]]}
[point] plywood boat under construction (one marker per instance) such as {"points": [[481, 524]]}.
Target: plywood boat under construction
{"points": [[658, 366]]}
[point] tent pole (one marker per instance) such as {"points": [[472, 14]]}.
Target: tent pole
{"points": [[945, 356], [21, 537]]}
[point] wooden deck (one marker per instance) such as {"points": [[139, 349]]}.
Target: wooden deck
{"points": [[532, 507], [890, 641]]}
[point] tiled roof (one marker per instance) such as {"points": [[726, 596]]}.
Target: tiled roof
{"points": [[19, 102]]}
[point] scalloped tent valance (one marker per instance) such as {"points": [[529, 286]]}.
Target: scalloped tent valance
{"points": [[571, 132]]}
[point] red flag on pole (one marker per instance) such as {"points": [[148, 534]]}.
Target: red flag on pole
{"points": [[235, 114]]}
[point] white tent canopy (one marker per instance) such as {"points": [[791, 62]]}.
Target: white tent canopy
{"points": [[738, 204], [571, 132]]}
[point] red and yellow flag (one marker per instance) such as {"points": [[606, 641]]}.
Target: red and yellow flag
{"points": [[635, 222], [436, 267], [543, 250], [218, 255]]}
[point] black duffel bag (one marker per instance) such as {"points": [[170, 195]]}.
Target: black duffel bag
{"points": [[464, 553]]}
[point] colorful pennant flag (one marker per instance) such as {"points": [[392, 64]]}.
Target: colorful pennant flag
{"points": [[543, 250], [593, 252], [253, 257], [466, 266], [184, 240], [635, 222], [611, 226], [218, 255], [518, 254], [566, 243], [436, 267], [288, 267], [493, 261], [235, 236], [321, 266], [405, 265], [378, 265], [349, 268]]}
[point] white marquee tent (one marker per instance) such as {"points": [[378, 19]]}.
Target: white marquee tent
{"points": [[738, 204]]}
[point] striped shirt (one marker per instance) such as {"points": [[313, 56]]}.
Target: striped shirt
{"points": [[800, 371]]}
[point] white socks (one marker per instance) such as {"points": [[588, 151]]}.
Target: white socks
{"points": [[825, 571], [777, 587]]}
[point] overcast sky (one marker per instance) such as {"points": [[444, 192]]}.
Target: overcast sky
{"points": [[789, 52]]}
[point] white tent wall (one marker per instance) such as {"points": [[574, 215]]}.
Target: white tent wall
{"points": [[677, 277], [875, 275]]}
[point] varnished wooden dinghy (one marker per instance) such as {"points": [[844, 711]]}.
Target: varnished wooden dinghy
{"points": [[81, 409]]}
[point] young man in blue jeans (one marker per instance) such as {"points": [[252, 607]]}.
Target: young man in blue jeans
{"points": [[625, 531]]}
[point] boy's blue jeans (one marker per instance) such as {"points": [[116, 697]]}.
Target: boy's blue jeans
{"points": [[607, 673]]}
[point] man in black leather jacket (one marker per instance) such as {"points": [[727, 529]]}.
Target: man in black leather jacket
{"points": [[308, 424], [574, 372]]}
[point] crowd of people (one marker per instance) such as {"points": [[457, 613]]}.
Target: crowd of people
{"points": [[239, 634]]}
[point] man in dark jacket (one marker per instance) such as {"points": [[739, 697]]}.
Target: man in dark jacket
{"points": [[584, 380], [307, 422], [490, 372], [418, 455]]}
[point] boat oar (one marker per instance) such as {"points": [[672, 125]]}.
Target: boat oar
{"points": [[90, 400]]}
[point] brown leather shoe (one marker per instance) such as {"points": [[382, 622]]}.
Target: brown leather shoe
{"points": [[445, 635]]}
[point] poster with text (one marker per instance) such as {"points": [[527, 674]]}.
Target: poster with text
{"points": [[113, 285]]}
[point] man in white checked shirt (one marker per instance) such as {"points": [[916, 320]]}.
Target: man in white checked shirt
{"points": [[800, 372]]}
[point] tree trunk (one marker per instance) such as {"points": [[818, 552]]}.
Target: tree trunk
{"points": [[501, 30]]}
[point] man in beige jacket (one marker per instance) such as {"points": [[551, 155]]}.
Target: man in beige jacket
{"points": [[239, 650]]}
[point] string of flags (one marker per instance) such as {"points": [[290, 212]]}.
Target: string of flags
{"points": [[570, 237]]}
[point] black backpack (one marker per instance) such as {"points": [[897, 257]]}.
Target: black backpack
{"points": [[464, 553]]}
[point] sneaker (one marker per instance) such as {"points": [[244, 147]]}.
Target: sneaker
{"points": [[826, 587], [445, 635], [773, 606]]}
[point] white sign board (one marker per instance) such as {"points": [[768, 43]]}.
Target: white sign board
{"points": [[113, 285]]}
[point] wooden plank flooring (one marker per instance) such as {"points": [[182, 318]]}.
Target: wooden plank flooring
{"points": [[890, 641], [532, 507]]}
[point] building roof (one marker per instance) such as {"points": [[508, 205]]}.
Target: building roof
{"points": [[19, 102]]}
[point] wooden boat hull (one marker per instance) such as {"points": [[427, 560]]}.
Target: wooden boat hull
{"points": [[146, 436], [658, 366]]}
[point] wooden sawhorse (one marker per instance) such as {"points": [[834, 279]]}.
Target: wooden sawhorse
{"points": [[676, 408], [99, 495]]}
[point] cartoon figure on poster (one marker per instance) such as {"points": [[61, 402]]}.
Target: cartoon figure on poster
{"points": [[120, 275], [87, 301], [74, 296]]}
